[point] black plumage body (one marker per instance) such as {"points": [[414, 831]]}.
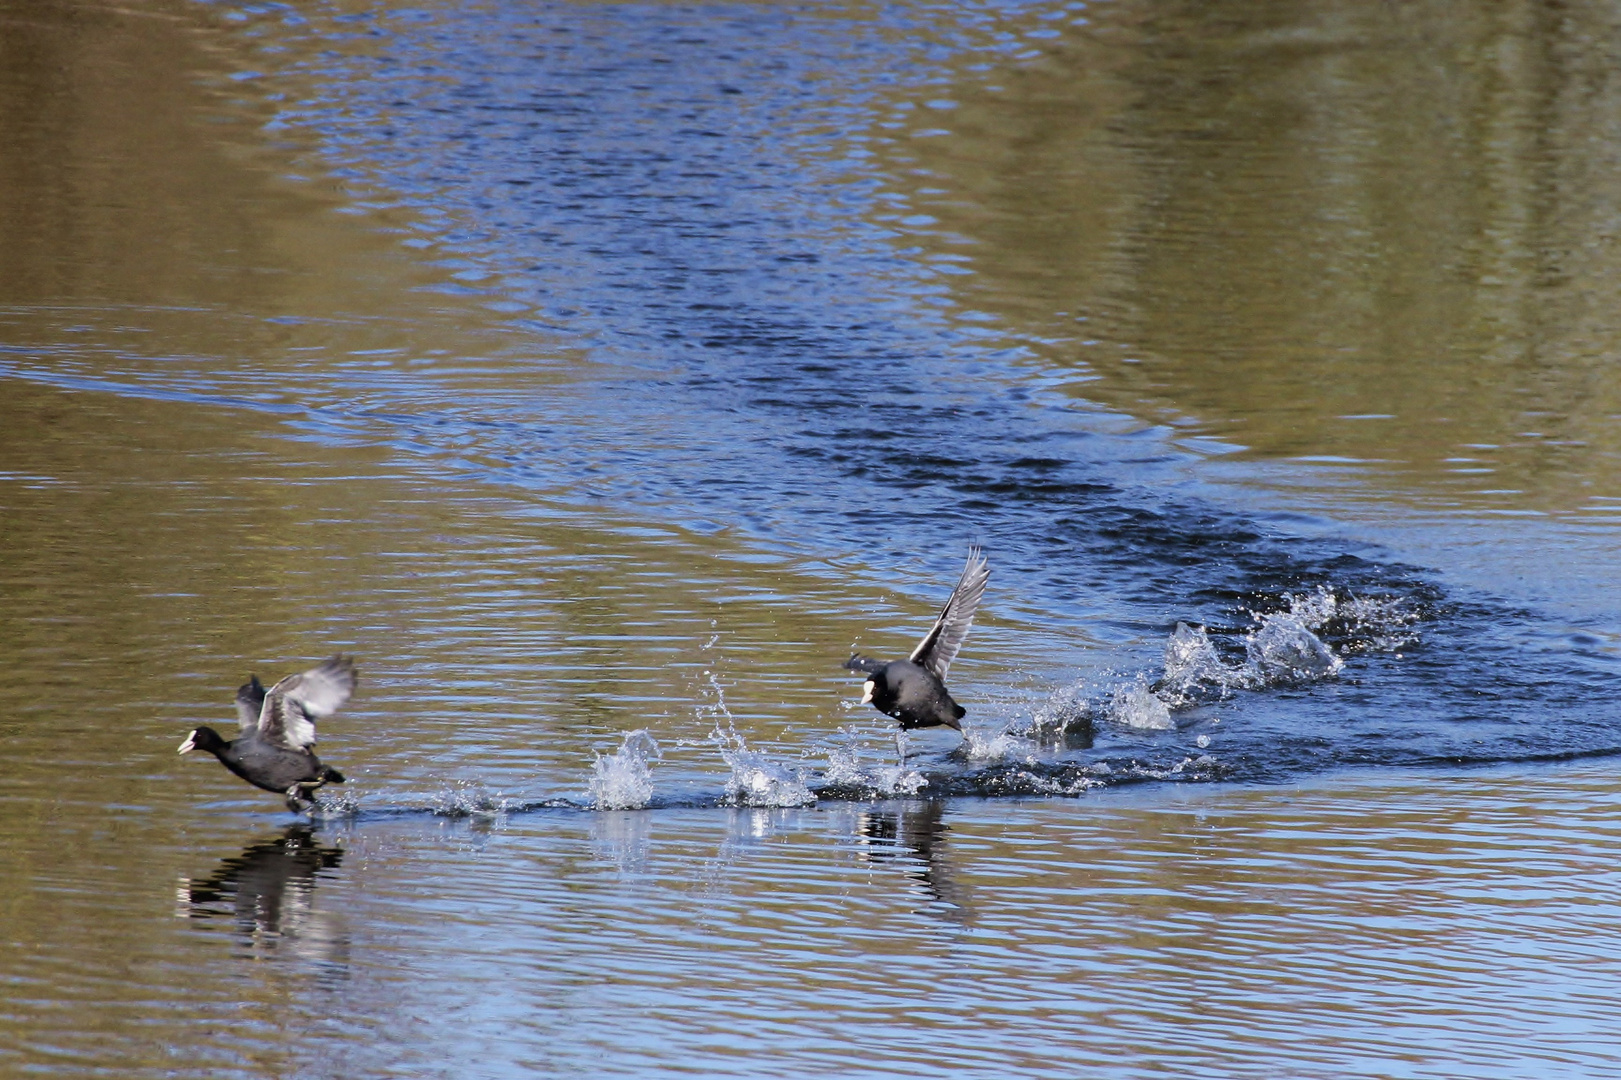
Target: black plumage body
{"points": [[276, 748], [913, 691], [265, 765], [912, 695]]}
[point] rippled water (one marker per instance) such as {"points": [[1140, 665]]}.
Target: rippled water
{"points": [[601, 374]]}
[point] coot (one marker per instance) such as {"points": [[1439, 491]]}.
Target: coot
{"points": [[913, 690], [274, 750]]}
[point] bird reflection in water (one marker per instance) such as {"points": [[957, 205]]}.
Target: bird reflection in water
{"points": [[269, 892], [912, 835]]}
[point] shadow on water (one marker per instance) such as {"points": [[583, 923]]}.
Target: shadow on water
{"points": [[268, 894]]}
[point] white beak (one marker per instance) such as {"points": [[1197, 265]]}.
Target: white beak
{"points": [[190, 744], [866, 692]]}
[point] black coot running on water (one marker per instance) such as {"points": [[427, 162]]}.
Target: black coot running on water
{"points": [[913, 690], [278, 731]]}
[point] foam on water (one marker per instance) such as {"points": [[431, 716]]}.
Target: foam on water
{"points": [[623, 780]]}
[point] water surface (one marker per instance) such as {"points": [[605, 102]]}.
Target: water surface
{"points": [[592, 368]]}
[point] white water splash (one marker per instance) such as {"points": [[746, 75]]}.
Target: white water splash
{"points": [[1382, 624], [467, 799], [1077, 783], [1065, 708], [342, 803], [1181, 768], [1192, 664], [1137, 706], [1283, 647], [757, 779], [845, 770], [1002, 745], [1082, 704], [624, 780]]}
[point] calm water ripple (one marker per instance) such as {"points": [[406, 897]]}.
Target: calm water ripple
{"points": [[596, 368]]}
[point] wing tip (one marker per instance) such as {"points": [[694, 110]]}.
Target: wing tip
{"points": [[976, 560], [343, 664]]}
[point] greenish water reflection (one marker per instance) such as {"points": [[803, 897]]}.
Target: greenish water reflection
{"points": [[1382, 234]]}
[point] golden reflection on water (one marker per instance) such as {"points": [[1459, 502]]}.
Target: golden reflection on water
{"points": [[1378, 234]]}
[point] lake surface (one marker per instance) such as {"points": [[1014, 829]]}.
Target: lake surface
{"points": [[600, 375]]}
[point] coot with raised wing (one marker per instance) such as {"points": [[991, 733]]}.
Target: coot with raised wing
{"points": [[913, 690], [275, 749]]}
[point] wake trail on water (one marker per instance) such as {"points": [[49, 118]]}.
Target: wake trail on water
{"points": [[1122, 728], [1141, 726]]}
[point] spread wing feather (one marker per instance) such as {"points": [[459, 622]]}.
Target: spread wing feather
{"points": [[250, 700], [292, 706], [939, 646]]}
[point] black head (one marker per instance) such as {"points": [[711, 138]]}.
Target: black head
{"points": [[203, 738]]}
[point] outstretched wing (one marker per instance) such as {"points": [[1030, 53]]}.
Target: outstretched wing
{"points": [[857, 662], [293, 705], [250, 700], [939, 646]]}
